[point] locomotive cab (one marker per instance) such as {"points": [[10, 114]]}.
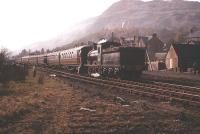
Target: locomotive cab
{"points": [[83, 56]]}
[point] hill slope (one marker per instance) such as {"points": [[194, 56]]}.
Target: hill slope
{"points": [[154, 14], [169, 19]]}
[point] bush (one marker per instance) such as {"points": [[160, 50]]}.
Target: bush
{"points": [[9, 70], [13, 72]]}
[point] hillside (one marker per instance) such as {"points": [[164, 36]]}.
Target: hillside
{"points": [[171, 20], [167, 18], [154, 14]]}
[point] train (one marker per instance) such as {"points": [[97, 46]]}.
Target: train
{"points": [[105, 58]]}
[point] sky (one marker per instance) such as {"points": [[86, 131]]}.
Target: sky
{"points": [[23, 22]]}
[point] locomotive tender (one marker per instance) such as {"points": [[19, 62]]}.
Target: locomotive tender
{"points": [[107, 58]]}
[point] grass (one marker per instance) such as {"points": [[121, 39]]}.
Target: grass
{"points": [[44, 104]]}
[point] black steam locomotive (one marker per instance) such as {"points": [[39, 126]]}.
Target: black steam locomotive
{"points": [[106, 58]]}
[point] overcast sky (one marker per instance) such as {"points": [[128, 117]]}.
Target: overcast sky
{"points": [[23, 22]]}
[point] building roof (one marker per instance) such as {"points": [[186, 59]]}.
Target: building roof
{"points": [[187, 50], [147, 39]]}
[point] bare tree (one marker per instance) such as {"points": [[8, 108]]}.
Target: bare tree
{"points": [[8, 70], [4, 55], [48, 51], [24, 52], [42, 51]]}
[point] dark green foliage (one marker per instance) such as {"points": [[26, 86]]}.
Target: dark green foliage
{"points": [[9, 70], [14, 72]]}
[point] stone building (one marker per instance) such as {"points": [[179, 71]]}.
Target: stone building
{"points": [[152, 43], [181, 57]]}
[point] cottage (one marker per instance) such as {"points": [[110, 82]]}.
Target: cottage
{"points": [[180, 57], [153, 45]]}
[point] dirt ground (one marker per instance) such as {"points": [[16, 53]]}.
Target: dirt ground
{"points": [[183, 78], [54, 106]]}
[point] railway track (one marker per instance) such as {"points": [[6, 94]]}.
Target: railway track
{"points": [[171, 88], [157, 90], [171, 80]]}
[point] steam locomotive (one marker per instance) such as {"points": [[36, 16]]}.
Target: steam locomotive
{"points": [[106, 58]]}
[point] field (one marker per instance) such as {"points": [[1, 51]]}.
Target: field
{"points": [[48, 105]]}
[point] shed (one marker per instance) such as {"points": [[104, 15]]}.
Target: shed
{"points": [[180, 57]]}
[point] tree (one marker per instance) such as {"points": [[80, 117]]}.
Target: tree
{"points": [[42, 51], [29, 51], [24, 52], [48, 51], [4, 54], [9, 71]]}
